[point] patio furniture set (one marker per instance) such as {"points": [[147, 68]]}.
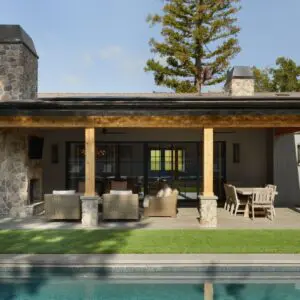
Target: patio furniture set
{"points": [[119, 204], [249, 199]]}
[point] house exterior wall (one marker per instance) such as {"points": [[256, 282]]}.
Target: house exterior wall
{"points": [[251, 171], [287, 170]]}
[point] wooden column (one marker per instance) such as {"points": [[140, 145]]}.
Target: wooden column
{"points": [[90, 162], [208, 291], [208, 161]]}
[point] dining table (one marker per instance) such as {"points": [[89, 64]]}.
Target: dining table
{"points": [[248, 191]]}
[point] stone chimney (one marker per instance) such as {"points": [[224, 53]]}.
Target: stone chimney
{"points": [[18, 64], [18, 81], [240, 81]]}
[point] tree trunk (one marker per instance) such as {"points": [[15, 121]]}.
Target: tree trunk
{"points": [[198, 62], [198, 78]]}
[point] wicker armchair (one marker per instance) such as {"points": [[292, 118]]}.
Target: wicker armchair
{"points": [[62, 207], [120, 207], [162, 206]]}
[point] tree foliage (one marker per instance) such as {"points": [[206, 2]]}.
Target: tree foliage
{"points": [[285, 77], [196, 34]]}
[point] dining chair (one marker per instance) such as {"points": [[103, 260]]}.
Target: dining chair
{"points": [[228, 200], [262, 198], [237, 202], [272, 195]]}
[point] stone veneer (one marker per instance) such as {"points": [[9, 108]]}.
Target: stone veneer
{"points": [[89, 208], [18, 72], [208, 211], [16, 171], [18, 81], [241, 87]]}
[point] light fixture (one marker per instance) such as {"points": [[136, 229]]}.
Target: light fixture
{"points": [[99, 152]]}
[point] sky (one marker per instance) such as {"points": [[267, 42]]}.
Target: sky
{"points": [[102, 45]]}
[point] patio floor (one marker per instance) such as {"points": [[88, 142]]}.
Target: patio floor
{"points": [[187, 218]]}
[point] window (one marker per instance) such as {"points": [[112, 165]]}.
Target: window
{"points": [[167, 160], [180, 160], [236, 153], [155, 160]]}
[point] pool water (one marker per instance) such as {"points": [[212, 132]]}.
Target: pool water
{"points": [[88, 289]]}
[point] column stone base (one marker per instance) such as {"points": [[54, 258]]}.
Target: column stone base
{"points": [[89, 205], [208, 211]]}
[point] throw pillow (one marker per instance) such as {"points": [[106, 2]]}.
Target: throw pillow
{"points": [[160, 193], [167, 192]]}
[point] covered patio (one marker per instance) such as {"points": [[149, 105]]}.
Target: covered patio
{"points": [[206, 118]]}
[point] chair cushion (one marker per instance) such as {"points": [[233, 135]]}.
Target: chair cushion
{"points": [[66, 192], [117, 192]]}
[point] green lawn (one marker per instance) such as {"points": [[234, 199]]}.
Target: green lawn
{"points": [[149, 241]]}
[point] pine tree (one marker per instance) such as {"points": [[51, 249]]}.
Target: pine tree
{"points": [[199, 37], [285, 77], [263, 82]]}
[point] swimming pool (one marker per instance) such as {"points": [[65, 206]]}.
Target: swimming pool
{"points": [[85, 289], [145, 283]]}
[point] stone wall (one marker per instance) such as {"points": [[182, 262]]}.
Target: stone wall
{"points": [[16, 171], [18, 81], [208, 211], [18, 72], [241, 87]]}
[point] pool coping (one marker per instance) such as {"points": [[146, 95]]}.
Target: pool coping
{"points": [[151, 259], [158, 268]]}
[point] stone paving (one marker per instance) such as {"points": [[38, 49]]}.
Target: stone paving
{"points": [[187, 218]]}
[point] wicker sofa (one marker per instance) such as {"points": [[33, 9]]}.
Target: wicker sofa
{"points": [[165, 206], [120, 206], [62, 206]]}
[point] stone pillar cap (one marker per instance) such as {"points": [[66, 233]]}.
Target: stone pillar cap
{"points": [[240, 72]]}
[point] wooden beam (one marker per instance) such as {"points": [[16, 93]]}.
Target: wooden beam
{"points": [[208, 291], [90, 162], [183, 121], [208, 162]]}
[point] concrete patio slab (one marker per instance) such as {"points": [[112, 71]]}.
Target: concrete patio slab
{"points": [[187, 218]]}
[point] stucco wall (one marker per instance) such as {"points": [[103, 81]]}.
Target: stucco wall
{"points": [[251, 171], [286, 170]]}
